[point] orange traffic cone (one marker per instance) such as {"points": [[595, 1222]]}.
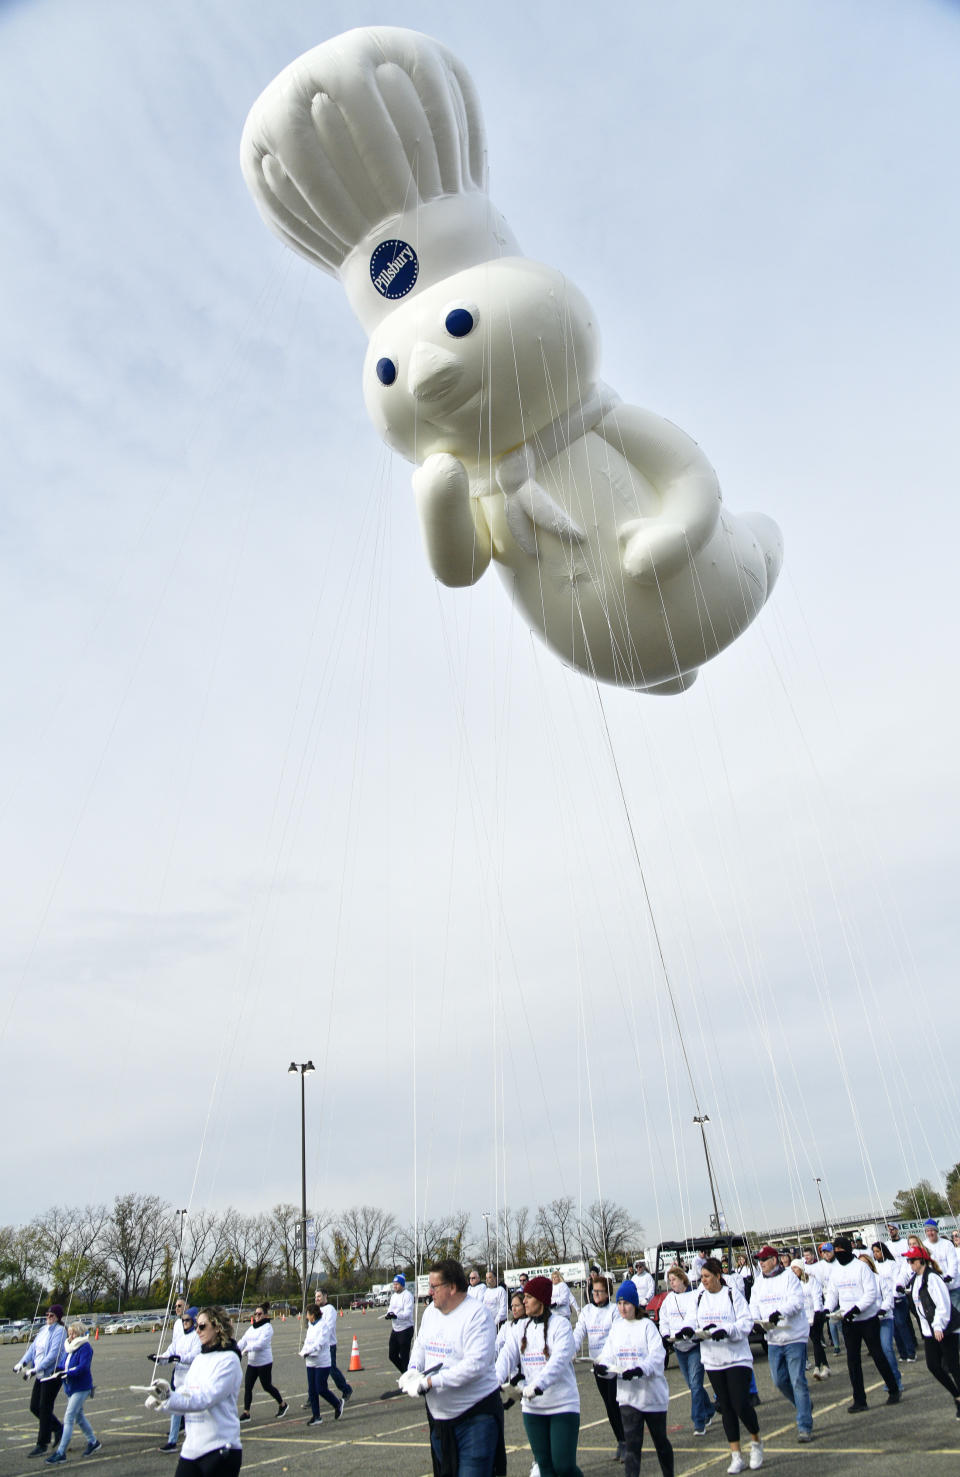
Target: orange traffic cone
{"points": [[339, 1315], [354, 1364], [97, 1334]]}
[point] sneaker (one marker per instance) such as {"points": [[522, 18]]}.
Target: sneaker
{"points": [[737, 1464], [803, 1436], [910, 1359], [825, 1372], [37, 1451], [315, 1420], [167, 1446], [856, 1407], [817, 1374], [92, 1446], [709, 1420], [534, 1470], [958, 1410], [699, 1430], [347, 1393], [339, 1410], [57, 1457], [282, 1409], [893, 1397], [756, 1455], [244, 1415]]}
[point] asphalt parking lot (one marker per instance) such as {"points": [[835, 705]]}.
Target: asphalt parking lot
{"points": [[391, 1436]]}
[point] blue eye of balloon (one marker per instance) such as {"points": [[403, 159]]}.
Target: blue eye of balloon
{"points": [[459, 322], [386, 371]]}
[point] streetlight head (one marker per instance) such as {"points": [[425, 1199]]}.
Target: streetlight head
{"points": [[292, 1068], [307, 1067]]}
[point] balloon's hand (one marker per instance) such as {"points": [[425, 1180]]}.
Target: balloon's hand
{"points": [[454, 529]]}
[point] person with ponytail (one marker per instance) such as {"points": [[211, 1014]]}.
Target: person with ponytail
{"points": [[208, 1398], [939, 1321], [540, 1350], [722, 1321], [634, 1357], [676, 1313]]}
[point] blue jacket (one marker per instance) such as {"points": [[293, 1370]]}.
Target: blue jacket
{"points": [[45, 1351], [75, 1364]]}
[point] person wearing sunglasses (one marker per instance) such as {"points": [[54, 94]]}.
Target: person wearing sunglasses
{"points": [[208, 1397]]}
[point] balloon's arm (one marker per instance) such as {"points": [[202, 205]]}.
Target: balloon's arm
{"points": [[454, 528], [685, 482]]}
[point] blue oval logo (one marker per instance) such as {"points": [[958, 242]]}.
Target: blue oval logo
{"points": [[394, 268]]}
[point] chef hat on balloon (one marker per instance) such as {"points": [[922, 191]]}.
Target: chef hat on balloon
{"points": [[367, 155]]}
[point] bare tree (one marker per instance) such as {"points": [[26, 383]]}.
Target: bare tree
{"points": [[134, 1235], [368, 1231], [518, 1246], [557, 1229], [430, 1241], [252, 1242], [608, 1232], [204, 1243], [286, 1220]]}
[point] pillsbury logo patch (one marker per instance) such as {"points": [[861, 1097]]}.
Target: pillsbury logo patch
{"points": [[394, 268]]}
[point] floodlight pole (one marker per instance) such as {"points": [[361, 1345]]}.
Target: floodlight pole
{"points": [[701, 1119], [303, 1068]]}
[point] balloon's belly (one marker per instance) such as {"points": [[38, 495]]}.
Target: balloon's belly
{"points": [[576, 596]]}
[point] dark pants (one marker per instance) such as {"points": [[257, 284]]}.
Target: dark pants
{"points": [[816, 1338], [943, 1362], [903, 1334], [399, 1350], [335, 1374], [867, 1331], [633, 1424], [553, 1441], [317, 1389], [42, 1396], [732, 1389], [608, 1394], [263, 1373], [223, 1463]]}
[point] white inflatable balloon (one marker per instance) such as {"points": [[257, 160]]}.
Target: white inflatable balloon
{"points": [[367, 156]]}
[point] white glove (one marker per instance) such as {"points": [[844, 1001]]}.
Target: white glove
{"points": [[413, 1383], [530, 1392], [153, 1402], [161, 1388], [17, 1367]]}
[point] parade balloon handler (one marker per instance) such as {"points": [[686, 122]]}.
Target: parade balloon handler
{"points": [[75, 1362], [41, 1360], [208, 1397], [516, 1313], [722, 1323], [633, 1357], [946, 1255], [400, 1314], [367, 155], [495, 1299], [540, 1349], [257, 1344], [593, 1324], [452, 1364], [852, 1296], [315, 1352], [884, 1265], [677, 1312], [181, 1351], [329, 1314], [563, 1300], [777, 1303], [939, 1321]]}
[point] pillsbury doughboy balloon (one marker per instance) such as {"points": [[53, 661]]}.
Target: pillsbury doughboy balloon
{"points": [[367, 156]]}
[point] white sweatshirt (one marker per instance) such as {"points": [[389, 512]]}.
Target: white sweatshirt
{"points": [[678, 1310], [553, 1372], [633, 1343], [643, 1282], [328, 1317], [462, 1342], [594, 1326], [887, 1273], [208, 1396], [724, 1309], [401, 1303], [782, 1293], [812, 1297], [495, 1302], [944, 1254], [476, 1290], [853, 1286], [257, 1344], [186, 1345], [315, 1349], [943, 1307], [562, 1301]]}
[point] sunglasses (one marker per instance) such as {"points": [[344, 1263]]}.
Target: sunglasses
{"points": [[202, 1326]]}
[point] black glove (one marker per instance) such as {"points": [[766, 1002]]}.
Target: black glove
{"points": [[174, 1358], [632, 1374], [849, 1317], [154, 1358], [948, 1279], [602, 1370], [719, 1333], [389, 1315], [775, 1318], [685, 1333], [516, 1379]]}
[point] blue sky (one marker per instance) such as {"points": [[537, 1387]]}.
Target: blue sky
{"points": [[267, 792]]}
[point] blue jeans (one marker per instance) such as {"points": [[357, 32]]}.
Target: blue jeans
{"points": [[903, 1333], [691, 1367], [476, 1439], [886, 1343], [74, 1416], [788, 1371]]}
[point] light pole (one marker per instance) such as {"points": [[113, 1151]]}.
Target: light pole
{"points": [[303, 1068], [701, 1119], [182, 1215], [486, 1222], [826, 1224]]}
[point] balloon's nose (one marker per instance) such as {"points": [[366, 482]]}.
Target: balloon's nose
{"points": [[432, 371]]}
